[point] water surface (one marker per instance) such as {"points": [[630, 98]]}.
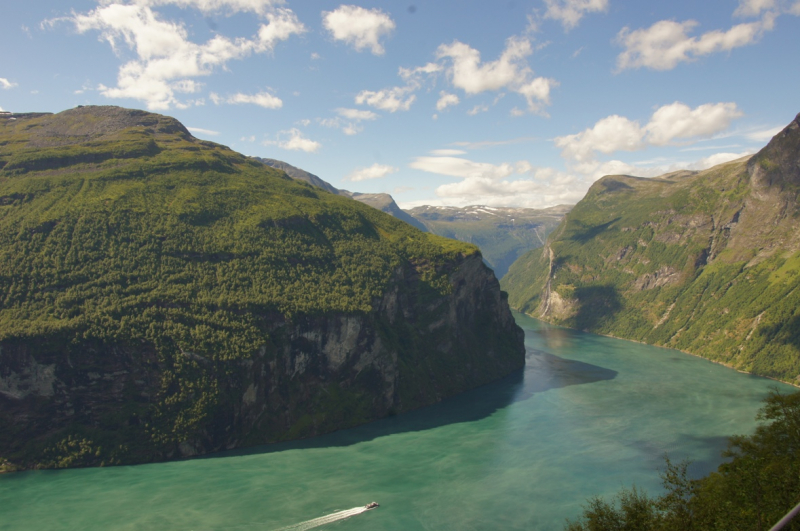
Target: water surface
{"points": [[588, 415]]}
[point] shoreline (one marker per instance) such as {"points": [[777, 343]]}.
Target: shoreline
{"points": [[793, 384]]}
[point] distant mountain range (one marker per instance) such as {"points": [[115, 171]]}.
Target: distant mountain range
{"points": [[502, 233], [707, 262]]}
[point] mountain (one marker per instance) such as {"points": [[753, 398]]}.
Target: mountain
{"points": [[163, 296], [383, 202], [503, 234], [707, 262], [300, 175]]}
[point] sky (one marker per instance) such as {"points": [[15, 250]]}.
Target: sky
{"points": [[452, 102]]}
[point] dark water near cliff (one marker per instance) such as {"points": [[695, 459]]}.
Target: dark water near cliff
{"points": [[588, 415]]}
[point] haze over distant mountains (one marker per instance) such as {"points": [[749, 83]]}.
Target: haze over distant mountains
{"points": [[502, 233]]}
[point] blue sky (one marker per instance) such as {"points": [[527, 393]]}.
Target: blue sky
{"points": [[517, 103]]}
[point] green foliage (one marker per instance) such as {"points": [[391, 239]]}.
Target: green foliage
{"points": [[147, 236], [754, 490], [681, 262]]}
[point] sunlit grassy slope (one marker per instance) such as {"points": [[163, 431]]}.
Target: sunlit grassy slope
{"points": [[706, 262]]}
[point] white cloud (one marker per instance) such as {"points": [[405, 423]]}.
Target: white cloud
{"points": [[376, 171], [537, 92], [478, 109], [446, 100], [352, 129], [538, 187], [392, 100], [203, 131], [718, 158], [493, 143], [359, 27], [510, 71], [262, 99], [666, 43], [399, 98], [260, 7], [458, 167], [355, 117], [610, 134], [753, 8], [413, 75], [356, 114], [505, 184], [668, 123], [167, 61], [468, 74], [679, 121], [570, 12], [448, 152], [707, 148], [6, 84], [764, 135], [295, 141]]}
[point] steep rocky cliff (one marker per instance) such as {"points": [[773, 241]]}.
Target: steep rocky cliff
{"points": [[707, 262], [164, 297]]}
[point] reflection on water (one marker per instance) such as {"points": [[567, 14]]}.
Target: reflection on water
{"points": [[587, 415]]}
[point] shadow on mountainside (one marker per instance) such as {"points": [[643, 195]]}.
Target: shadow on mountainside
{"points": [[786, 332], [543, 371], [596, 305], [590, 232]]}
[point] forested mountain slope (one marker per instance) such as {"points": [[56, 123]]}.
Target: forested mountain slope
{"points": [[706, 262], [163, 296]]}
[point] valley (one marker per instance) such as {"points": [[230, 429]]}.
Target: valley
{"points": [[706, 262]]}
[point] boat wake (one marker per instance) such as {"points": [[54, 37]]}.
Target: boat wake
{"points": [[328, 519]]}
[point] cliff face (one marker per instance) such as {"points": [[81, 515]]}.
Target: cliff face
{"points": [[707, 262], [313, 375], [188, 300]]}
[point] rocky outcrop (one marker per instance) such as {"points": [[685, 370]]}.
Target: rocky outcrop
{"points": [[313, 374]]}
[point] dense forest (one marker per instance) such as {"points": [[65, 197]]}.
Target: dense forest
{"points": [[118, 228]]}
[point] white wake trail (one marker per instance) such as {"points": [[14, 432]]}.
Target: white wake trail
{"points": [[322, 520]]}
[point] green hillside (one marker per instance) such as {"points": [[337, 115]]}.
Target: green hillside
{"points": [[503, 234], [136, 257], [705, 262]]}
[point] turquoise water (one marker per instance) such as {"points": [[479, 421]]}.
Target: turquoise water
{"points": [[588, 415]]}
